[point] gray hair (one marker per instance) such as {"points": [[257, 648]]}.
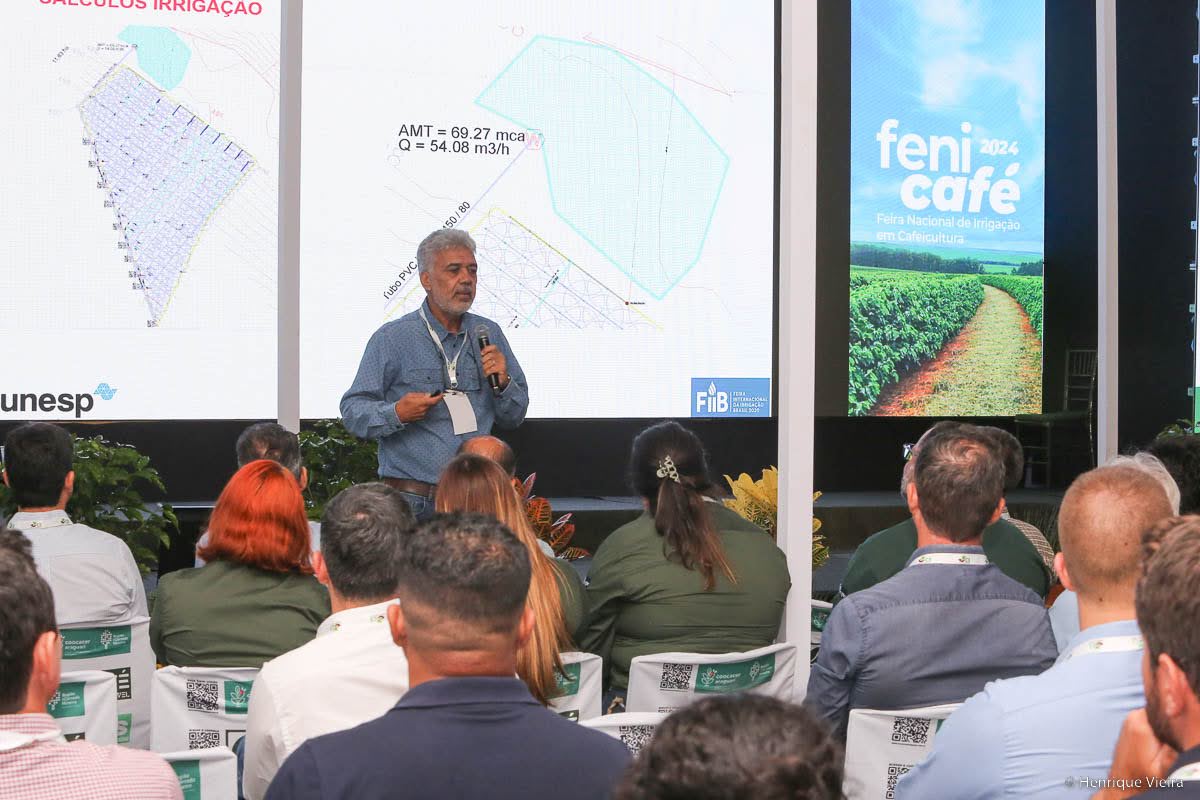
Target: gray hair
{"points": [[439, 240], [1155, 469]]}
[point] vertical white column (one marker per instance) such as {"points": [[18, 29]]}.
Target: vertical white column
{"points": [[797, 310], [1106, 226], [291, 45]]}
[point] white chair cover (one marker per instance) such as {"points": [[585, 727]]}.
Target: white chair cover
{"points": [[579, 692], [883, 745], [124, 650], [632, 728], [195, 708], [206, 774], [85, 706], [666, 681]]}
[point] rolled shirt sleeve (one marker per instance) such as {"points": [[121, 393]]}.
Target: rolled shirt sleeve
{"points": [[366, 411], [512, 403]]}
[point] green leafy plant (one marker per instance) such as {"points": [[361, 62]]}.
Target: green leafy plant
{"points": [[109, 481], [758, 501], [1180, 427], [336, 459], [555, 532], [898, 320]]}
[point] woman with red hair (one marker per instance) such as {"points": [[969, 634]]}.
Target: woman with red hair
{"points": [[256, 598]]}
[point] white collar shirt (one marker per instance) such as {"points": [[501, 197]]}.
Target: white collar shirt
{"points": [[351, 673], [92, 573]]}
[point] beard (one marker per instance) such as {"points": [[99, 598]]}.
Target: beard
{"points": [[1159, 722]]}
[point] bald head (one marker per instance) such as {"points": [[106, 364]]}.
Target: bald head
{"points": [[1103, 517], [492, 449]]}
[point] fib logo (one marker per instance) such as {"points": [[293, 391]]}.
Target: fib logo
{"points": [[731, 397]]}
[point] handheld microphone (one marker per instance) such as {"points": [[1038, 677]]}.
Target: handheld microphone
{"points": [[482, 335]]}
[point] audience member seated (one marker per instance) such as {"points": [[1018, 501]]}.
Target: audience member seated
{"points": [[476, 484], [1158, 753], [498, 450], [490, 447], [1064, 614], [1181, 457], [467, 727], [737, 747], [887, 552], [256, 598], [950, 621], [93, 575], [1013, 456], [353, 671], [35, 762], [689, 575], [1040, 729], [273, 442]]}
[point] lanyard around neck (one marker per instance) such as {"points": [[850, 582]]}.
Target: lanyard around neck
{"points": [[1107, 644], [451, 366], [1189, 773], [60, 521], [956, 559]]}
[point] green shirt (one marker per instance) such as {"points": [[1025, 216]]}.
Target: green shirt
{"points": [[232, 615], [572, 596], [642, 603], [885, 553]]}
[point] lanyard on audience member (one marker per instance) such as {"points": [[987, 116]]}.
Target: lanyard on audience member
{"points": [[1107, 644], [957, 559], [11, 740], [1191, 772], [451, 366], [54, 522]]}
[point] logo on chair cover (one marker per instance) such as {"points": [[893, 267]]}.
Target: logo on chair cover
{"points": [[237, 697], [67, 701], [567, 682], [737, 676], [95, 642]]}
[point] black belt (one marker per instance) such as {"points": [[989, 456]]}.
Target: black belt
{"points": [[419, 488]]}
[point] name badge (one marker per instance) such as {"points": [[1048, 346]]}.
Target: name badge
{"points": [[461, 413]]}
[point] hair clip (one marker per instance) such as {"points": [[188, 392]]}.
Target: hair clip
{"points": [[666, 469]]}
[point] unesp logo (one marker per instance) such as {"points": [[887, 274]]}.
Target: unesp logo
{"points": [[78, 403]]}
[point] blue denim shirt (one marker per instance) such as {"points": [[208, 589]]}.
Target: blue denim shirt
{"points": [[931, 634], [1026, 736], [401, 358]]}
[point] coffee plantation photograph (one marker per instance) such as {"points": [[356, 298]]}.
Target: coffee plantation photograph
{"points": [[944, 333]]}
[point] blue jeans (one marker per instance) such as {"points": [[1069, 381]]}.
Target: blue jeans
{"points": [[422, 507]]}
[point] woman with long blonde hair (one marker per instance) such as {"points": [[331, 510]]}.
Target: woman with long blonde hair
{"points": [[474, 483]]}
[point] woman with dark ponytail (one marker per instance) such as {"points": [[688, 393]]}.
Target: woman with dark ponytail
{"points": [[689, 575]]}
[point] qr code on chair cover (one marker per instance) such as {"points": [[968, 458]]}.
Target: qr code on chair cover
{"points": [[911, 730], [199, 739], [635, 737], [894, 773], [676, 677], [203, 695]]}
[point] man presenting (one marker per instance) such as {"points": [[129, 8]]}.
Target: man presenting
{"points": [[425, 383]]}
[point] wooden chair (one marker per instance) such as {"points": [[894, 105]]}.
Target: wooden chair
{"points": [[1049, 437]]}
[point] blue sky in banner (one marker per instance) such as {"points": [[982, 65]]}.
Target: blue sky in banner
{"points": [[933, 65]]}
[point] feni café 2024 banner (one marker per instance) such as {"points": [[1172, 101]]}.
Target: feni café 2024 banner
{"points": [[946, 207]]}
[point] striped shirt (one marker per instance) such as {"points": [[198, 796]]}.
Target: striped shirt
{"points": [[37, 763]]}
